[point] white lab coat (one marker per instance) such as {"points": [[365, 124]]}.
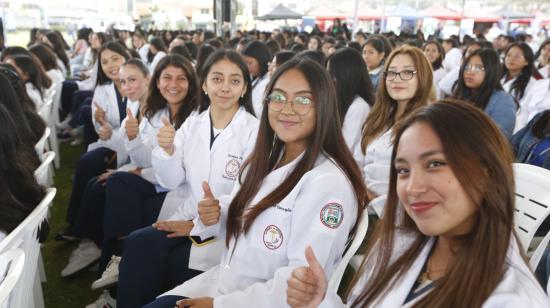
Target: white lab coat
{"points": [[258, 94], [507, 85], [375, 163], [518, 288], [116, 142], [353, 122], [254, 270], [447, 83], [537, 100], [194, 162], [453, 58], [89, 83], [438, 76], [34, 94], [545, 71], [56, 76], [105, 97], [156, 59], [143, 51]]}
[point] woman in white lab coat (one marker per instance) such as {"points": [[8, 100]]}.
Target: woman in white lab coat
{"points": [[354, 91], [210, 146], [157, 51], [518, 76], [446, 238], [299, 187], [436, 54], [257, 56], [406, 84]]}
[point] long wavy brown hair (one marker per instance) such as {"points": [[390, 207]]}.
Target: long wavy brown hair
{"points": [[326, 140], [481, 159], [383, 114]]}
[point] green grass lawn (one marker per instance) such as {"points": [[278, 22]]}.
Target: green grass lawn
{"points": [[73, 291]]}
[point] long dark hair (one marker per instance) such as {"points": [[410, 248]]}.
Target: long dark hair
{"points": [[59, 47], [204, 52], [19, 190], [114, 47], [9, 100], [35, 71], [351, 78], [481, 159], [45, 54], [235, 58], [155, 100], [541, 127], [158, 43], [539, 52], [259, 51], [36, 123], [480, 96], [517, 90], [326, 140]]}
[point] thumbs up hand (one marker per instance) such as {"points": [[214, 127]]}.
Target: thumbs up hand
{"points": [[166, 136], [131, 126], [209, 207], [99, 114], [307, 285], [105, 131]]}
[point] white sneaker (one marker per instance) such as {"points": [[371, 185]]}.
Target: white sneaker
{"points": [[110, 275], [65, 123], [104, 301], [85, 254]]}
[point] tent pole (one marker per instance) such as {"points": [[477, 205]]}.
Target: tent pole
{"points": [[355, 18]]}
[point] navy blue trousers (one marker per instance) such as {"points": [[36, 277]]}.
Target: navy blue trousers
{"points": [[131, 203], [90, 164], [89, 222], [152, 264], [168, 301]]}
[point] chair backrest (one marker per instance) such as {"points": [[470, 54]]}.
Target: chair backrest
{"points": [[11, 268], [41, 144], [56, 100], [358, 238], [45, 111], [25, 237], [532, 200], [41, 173]]}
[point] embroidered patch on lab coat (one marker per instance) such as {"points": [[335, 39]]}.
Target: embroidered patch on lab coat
{"points": [[332, 215], [273, 237], [232, 168]]}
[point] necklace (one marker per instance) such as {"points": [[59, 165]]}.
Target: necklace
{"points": [[424, 277]]}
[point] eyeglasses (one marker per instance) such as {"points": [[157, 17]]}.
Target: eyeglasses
{"points": [[300, 104], [403, 75], [474, 68], [515, 57]]}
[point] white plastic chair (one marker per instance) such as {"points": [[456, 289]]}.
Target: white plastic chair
{"points": [[358, 238], [43, 174], [532, 206], [45, 110], [55, 94], [25, 237], [378, 205], [11, 268], [41, 144]]}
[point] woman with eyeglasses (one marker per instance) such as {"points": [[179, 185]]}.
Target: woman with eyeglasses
{"points": [[300, 187], [479, 83], [519, 78], [447, 236], [209, 147], [406, 85]]}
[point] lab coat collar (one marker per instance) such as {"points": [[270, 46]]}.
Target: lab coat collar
{"points": [[238, 119]]}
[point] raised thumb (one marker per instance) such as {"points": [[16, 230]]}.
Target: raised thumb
{"points": [[166, 122], [207, 192], [97, 106], [314, 265]]}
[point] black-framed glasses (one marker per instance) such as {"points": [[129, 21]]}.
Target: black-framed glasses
{"points": [[403, 75], [300, 104]]}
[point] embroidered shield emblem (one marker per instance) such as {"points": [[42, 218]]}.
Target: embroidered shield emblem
{"points": [[273, 237], [232, 168], [332, 215]]}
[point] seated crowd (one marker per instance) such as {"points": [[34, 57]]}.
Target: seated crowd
{"points": [[226, 171]]}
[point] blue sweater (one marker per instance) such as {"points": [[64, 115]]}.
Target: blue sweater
{"points": [[502, 109]]}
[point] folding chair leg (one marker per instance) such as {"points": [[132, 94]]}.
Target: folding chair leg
{"points": [[38, 297]]}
